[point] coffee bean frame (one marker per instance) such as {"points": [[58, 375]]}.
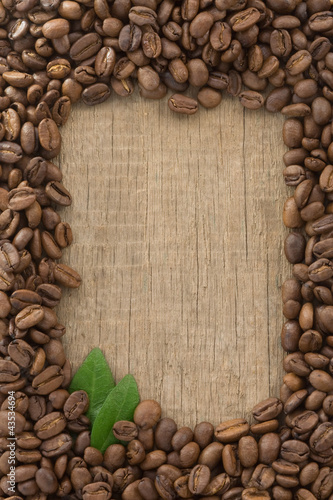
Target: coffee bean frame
{"points": [[53, 54]]}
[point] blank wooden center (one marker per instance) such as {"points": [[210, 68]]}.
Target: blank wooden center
{"points": [[178, 236]]}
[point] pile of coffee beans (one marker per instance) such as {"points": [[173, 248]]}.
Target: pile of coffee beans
{"points": [[232, 461], [273, 53]]}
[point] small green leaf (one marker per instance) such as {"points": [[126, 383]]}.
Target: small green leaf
{"points": [[94, 376], [119, 405]]}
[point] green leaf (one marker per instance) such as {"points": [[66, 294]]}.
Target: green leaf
{"points": [[94, 376], [119, 405]]}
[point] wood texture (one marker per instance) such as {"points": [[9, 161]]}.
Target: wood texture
{"points": [[179, 240]]}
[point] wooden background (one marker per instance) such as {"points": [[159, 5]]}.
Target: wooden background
{"points": [[179, 240]]}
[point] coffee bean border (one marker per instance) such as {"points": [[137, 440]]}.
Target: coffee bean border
{"points": [[54, 53]]}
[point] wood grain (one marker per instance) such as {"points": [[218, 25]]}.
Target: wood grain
{"points": [[179, 240]]}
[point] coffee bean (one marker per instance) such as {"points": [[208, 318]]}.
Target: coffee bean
{"points": [[148, 78], [99, 490], [66, 276], [50, 425], [267, 409], [179, 104], [153, 459], [10, 371], [189, 454], [165, 430], [58, 193], [203, 434], [248, 451], [208, 97], [298, 62], [281, 42], [232, 430], [10, 152], [219, 484], [49, 136], [96, 94], [21, 353], [201, 24], [86, 47], [294, 451], [220, 36], [130, 38], [251, 100], [56, 446], [114, 457], [76, 405], [321, 21], [29, 316], [135, 452], [147, 414], [48, 380], [199, 479], [105, 61]]}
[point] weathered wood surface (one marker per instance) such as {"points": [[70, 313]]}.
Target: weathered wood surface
{"points": [[179, 240]]}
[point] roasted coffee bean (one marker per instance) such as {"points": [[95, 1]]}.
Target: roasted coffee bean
{"points": [[147, 414], [29, 316], [203, 434], [294, 451], [66, 276], [92, 456], [50, 294], [10, 152], [76, 405], [164, 431], [219, 484], [58, 193], [189, 454], [230, 460], [269, 448], [85, 47], [232, 430], [135, 452], [122, 477], [96, 94], [153, 459], [267, 409], [50, 425], [148, 78], [114, 457], [58, 398], [9, 257], [146, 437], [10, 371], [181, 437], [61, 110], [99, 490], [105, 61], [294, 247], [54, 352], [56, 446], [199, 479], [180, 104], [321, 438], [48, 380], [21, 353], [49, 136], [251, 100]]}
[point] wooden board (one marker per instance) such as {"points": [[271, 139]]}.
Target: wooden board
{"points": [[179, 240]]}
